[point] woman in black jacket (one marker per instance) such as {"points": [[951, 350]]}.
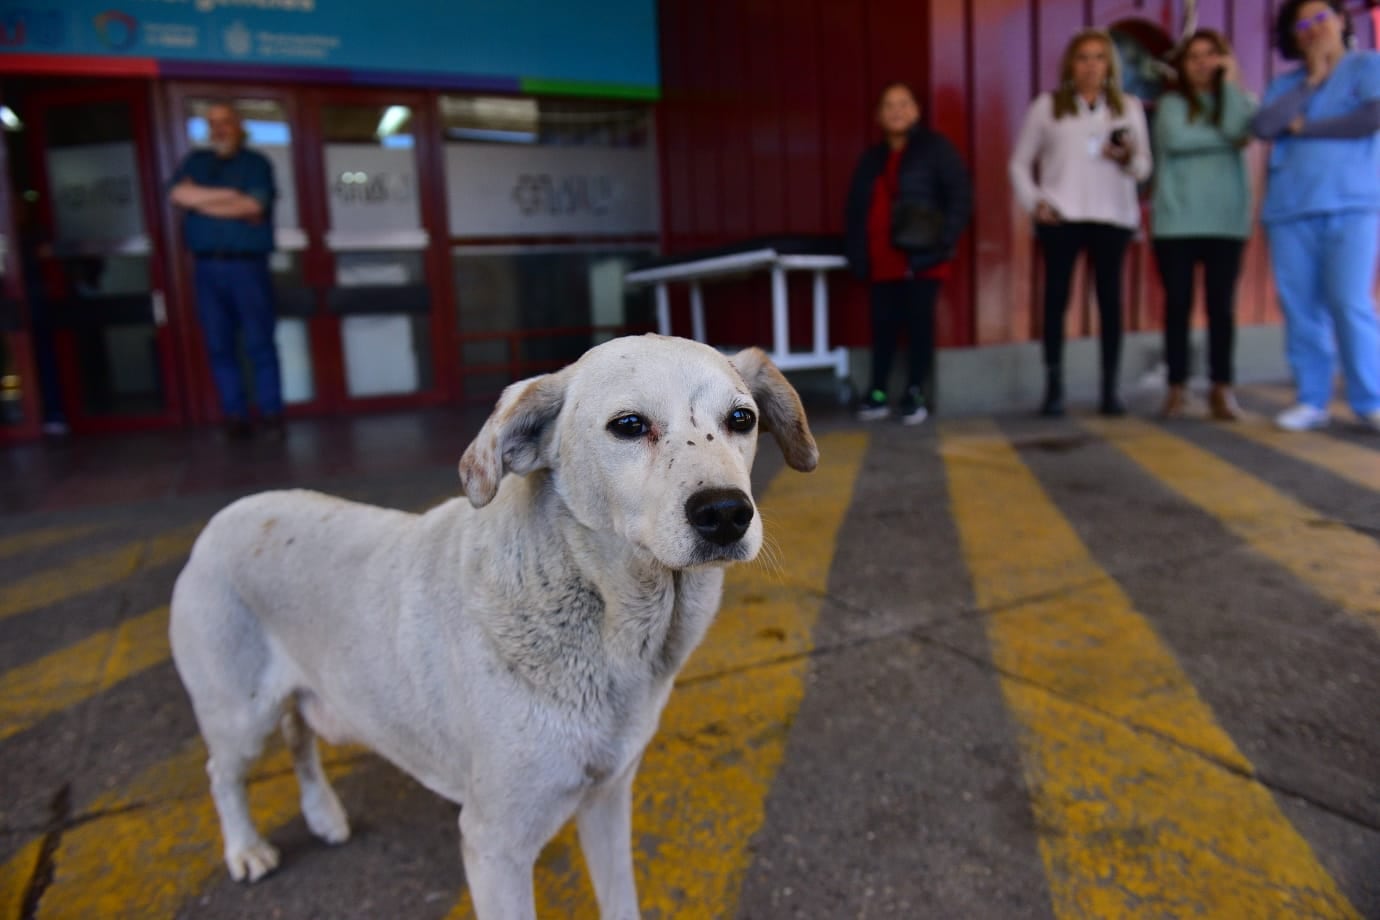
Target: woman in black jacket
{"points": [[908, 204]]}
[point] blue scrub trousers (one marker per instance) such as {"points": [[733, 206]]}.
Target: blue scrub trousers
{"points": [[1324, 269], [235, 296]]}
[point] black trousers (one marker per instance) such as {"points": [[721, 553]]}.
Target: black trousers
{"points": [[1221, 259], [898, 305], [1106, 246]]}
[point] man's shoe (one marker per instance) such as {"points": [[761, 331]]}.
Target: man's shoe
{"points": [[272, 427], [1222, 404], [873, 407], [238, 429], [913, 411], [1302, 417], [1111, 406]]}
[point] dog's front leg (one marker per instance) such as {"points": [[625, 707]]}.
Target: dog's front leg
{"points": [[498, 869], [605, 822]]}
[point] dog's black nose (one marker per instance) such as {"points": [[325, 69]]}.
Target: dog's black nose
{"points": [[721, 516]]}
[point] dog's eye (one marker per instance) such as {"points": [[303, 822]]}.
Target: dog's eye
{"points": [[741, 419], [629, 426]]}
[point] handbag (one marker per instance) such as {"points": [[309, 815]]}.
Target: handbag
{"points": [[915, 226]]}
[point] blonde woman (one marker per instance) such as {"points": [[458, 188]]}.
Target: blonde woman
{"points": [[1081, 151]]}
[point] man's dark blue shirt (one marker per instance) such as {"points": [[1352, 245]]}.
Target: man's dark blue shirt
{"points": [[247, 172]]}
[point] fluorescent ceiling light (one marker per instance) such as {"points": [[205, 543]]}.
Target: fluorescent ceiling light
{"points": [[393, 118]]}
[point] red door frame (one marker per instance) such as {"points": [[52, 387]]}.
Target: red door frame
{"points": [[20, 341], [137, 96], [431, 189], [192, 350], [303, 108]]}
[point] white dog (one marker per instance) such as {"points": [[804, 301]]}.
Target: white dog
{"points": [[513, 656]]}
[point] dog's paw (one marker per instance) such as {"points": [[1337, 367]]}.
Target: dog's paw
{"points": [[326, 819], [253, 862]]}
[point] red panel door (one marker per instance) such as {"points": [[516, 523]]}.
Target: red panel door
{"points": [[100, 256], [381, 259], [272, 121]]}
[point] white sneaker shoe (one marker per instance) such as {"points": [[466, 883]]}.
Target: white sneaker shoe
{"points": [[1302, 417]]}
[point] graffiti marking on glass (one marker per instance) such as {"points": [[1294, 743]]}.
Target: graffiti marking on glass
{"points": [[95, 192], [509, 190], [359, 187], [544, 193], [372, 190]]}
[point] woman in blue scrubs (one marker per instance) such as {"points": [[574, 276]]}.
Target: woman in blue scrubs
{"points": [[1322, 209]]}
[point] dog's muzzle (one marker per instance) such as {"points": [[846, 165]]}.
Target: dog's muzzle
{"points": [[721, 516]]}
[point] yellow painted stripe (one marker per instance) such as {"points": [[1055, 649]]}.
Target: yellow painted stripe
{"points": [[38, 539], [157, 841], [1349, 461], [94, 572], [1130, 822], [1335, 561], [91, 666], [701, 793], [15, 876]]}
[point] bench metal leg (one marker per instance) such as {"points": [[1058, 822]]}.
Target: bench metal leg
{"points": [[663, 309], [780, 317], [697, 313]]}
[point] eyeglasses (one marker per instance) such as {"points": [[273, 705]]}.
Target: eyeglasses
{"points": [[1317, 19]]}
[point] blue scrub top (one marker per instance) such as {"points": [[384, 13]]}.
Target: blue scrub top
{"points": [[1326, 175], [247, 172]]}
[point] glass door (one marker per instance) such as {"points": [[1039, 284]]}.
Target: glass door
{"points": [[268, 117], [100, 258], [19, 404], [380, 253]]}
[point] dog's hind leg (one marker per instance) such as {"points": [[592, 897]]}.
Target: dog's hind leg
{"points": [[248, 856], [320, 805], [225, 662]]}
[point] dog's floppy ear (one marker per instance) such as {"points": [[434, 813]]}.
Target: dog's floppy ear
{"points": [[782, 413], [515, 438]]}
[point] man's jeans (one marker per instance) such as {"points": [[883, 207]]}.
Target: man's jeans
{"points": [[236, 296]]}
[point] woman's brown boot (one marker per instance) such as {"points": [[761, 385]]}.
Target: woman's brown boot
{"points": [[1222, 405], [1173, 402]]}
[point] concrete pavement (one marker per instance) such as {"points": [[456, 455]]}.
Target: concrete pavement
{"points": [[990, 667]]}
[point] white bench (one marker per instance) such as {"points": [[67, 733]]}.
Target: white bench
{"points": [[751, 258]]}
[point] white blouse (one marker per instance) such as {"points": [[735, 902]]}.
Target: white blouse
{"points": [[1074, 177]]}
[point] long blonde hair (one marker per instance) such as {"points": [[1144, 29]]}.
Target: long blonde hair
{"points": [[1066, 97]]}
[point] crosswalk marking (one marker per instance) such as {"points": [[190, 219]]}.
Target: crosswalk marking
{"points": [[41, 539], [156, 842], [1144, 804], [99, 570], [701, 792], [1331, 558], [1352, 462], [16, 874], [1283, 396], [93, 665]]}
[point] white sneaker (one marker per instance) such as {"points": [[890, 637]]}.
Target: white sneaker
{"points": [[1302, 417], [915, 416]]}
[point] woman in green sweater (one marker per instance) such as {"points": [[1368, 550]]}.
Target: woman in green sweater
{"points": [[1202, 209]]}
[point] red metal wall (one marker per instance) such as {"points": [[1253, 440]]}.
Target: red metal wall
{"points": [[767, 104]]}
